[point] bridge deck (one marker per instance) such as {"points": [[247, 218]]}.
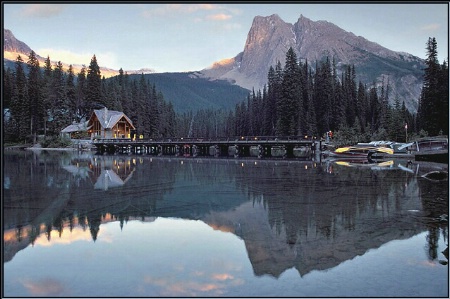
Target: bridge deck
{"points": [[203, 141], [267, 146]]}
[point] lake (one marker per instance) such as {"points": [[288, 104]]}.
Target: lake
{"points": [[78, 224]]}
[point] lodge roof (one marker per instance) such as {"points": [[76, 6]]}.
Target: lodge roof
{"points": [[75, 127], [108, 179], [109, 118]]}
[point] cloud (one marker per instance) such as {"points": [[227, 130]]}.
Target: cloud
{"points": [[431, 27], [223, 276], [43, 10], [169, 286], [44, 287], [170, 9], [231, 26], [173, 9], [190, 8], [219, 17], [77, 234], [106, 59]]}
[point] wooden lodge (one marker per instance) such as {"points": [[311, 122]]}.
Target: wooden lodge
{"points": [[109, 124], [74, 130]]}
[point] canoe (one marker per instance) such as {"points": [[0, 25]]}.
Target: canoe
{"points": [[368, 152]]}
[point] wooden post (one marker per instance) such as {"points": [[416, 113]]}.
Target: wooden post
{"points": [[406, 133]]}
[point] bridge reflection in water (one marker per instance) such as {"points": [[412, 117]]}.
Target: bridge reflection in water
{"points": [[290, 214]]}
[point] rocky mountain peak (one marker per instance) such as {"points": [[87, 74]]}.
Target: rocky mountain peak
{"points": [[12, 44], [270, 37], [265, 29], [14, 47]]}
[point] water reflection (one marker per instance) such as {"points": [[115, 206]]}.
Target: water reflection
{"points": [[304, 215]]}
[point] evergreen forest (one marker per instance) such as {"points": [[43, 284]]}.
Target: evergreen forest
{"points": [[39, 101]]}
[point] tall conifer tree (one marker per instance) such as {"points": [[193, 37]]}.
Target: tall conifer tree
{"points": [[82, 110], [428, 109], [93, 86], [290, 102], [37, 110], [71, 94], [20, 109]]}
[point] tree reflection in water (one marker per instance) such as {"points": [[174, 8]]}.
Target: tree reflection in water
{"points": [[313, 211]]}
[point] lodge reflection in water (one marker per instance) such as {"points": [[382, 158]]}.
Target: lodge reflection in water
{"points": [[104, 172], [316, 215]]}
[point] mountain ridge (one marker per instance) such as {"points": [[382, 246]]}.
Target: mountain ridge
{"points": [[270, 37], [13, 48]]}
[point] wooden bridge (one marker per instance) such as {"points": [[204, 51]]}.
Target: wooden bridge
{"points": [[246, 146]]}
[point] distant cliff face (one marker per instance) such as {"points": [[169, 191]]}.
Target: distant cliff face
{"points": [[11, 44], [270, 37], [13, 47]]}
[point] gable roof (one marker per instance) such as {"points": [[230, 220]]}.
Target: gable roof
{"points": [[109, 118], [108, 179], [76, 127]]}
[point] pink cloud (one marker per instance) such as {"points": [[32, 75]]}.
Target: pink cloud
{"points": [[44, 287], [219, 17], [43, 10], [169, 9], [431, 27]]}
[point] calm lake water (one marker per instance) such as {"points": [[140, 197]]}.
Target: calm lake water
{"points": [[84, 225]]}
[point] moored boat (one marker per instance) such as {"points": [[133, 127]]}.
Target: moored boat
{"points": [[362, 163], [363, 152], [432, 149]]}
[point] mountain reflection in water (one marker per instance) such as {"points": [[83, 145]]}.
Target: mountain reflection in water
{"points": [[305, 215]]}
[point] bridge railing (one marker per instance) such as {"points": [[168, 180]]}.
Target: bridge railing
{"points": [[200, 139]]}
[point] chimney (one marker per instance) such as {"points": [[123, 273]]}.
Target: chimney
{"points": [[105, 115]]}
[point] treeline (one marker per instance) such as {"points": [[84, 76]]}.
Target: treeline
{"points": [[299, 101], [44, 100], [432, 114], [296, 101]]}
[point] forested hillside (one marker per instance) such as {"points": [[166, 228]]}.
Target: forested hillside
{"points": [[187, 92], [297, 101]]}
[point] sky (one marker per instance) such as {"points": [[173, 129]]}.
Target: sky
{"points": [[179, 37]]}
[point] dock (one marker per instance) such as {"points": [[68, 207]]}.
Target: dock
{"points": [[431, 149], [245, 146]]}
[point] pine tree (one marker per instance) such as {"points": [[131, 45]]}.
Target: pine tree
{"points": [[20, 109], [59, 107], [105, 93], [81, 109], [36, 106], [7, 86], [47, 92], [170, 120], [141, 102], [339, 106], [373, 111], [71, 94], [93, 86], [154, 115], [361, 105], [291, 102], [428, 113], [349, 93], [8, 91], [275, 77], [384, 106], [442, 99], [394, 122], [323, 97]]}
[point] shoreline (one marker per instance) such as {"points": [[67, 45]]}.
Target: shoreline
{"points": [[51, 149], [31, 148]]}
